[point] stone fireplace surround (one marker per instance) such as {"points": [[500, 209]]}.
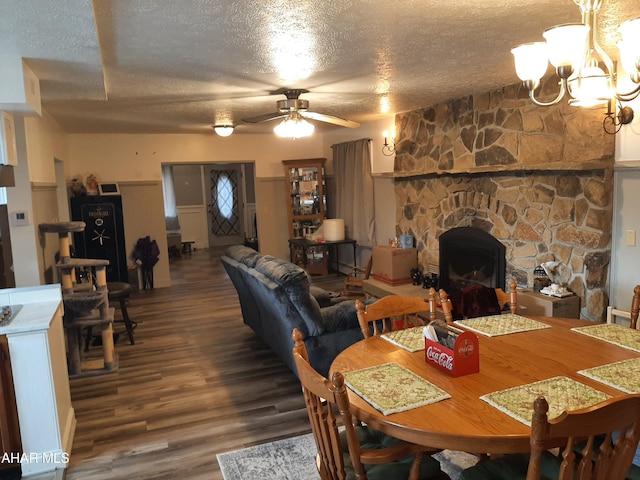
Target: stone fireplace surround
{"points": [[537, 179]]}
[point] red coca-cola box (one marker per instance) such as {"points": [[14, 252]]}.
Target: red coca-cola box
{"points": [[462, 359]]}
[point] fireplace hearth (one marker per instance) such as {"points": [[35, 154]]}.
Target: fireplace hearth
{"points": [[470, 256]]}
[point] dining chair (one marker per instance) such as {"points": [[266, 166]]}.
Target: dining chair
{"points": [[600, 458], [391, 313], [356, 451], [480, 301], [353, 283], [446, 305], [632, 315]]}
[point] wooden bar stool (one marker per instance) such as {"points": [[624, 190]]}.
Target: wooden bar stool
{"points": [[118, 297], [119, 294]]}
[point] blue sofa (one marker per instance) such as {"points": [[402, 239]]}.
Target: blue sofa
{"points": [[276, 296]]}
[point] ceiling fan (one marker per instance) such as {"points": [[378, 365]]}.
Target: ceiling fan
{"points": [[294, 105]]}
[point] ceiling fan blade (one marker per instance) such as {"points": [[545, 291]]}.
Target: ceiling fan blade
{"points": [[330, 119], [264, 118]]}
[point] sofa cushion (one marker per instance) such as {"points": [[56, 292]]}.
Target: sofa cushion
{"points": [[323, 297], [282, 272], [240, 253]]}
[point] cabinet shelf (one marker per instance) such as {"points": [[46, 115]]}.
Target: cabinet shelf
{"points": [[306, 206]]}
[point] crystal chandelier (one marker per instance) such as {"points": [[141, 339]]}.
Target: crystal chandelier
{"points": [[586, 72], [294, 126]]}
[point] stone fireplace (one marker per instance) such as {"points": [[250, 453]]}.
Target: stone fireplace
{"points": [[537, 179]]}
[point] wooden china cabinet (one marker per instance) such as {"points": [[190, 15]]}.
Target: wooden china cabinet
{"points": [[306, 206]]}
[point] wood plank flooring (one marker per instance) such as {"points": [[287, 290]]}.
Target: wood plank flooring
{"points": [[196, 383]]}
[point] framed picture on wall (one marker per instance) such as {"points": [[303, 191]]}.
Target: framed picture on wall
{"points": [[8, 150]]}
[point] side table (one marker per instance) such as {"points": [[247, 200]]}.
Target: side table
{"points": [[320, 267], [535, 303]]}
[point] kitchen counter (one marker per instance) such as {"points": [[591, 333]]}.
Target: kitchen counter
{"points": [[41, 383]]}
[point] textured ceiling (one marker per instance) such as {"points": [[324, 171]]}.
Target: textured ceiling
{"points": [[180, 66]]}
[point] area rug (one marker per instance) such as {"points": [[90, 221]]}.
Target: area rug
{"points": [[294, 459]]}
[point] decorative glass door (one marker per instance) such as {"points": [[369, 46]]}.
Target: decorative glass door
{"points": [[225, 205]]}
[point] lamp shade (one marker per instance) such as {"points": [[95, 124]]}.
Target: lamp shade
{"points": [[567, 44], [530, 60], [629, 56], [223, 130], [630, 30], [590, 87], [294, 126]]}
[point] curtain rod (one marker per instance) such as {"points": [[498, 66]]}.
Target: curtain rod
{"points": [[367, 139]]}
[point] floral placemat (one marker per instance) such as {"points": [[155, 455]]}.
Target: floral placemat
{"points": [[622, 375], [494, 325], [562, 393], [392, 388], [411, 339], [613, 333]]}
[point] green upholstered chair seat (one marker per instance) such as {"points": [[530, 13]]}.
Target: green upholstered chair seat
{"points": [[634, 471], [372, 439], [511, 467]]}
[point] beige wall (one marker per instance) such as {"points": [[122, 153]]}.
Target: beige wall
{"points": [[116, 157], [45, 141], [134, 161], [140, 221]]}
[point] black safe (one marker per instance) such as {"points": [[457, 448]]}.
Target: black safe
{"points": [[103, 236]]}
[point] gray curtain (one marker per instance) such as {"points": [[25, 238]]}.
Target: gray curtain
{"points": [[354, 189]]}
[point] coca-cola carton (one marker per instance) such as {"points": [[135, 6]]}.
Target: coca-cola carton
{"points": [[454, 351]]}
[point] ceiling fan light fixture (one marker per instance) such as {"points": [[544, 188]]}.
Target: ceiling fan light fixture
{"points": [[294, 126], [223, 130]]}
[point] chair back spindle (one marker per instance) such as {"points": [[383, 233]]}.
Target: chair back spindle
{"points": [[385, 314], [605, 460]]}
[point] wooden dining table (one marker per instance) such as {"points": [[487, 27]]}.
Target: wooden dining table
{"points": [[465, 422]]}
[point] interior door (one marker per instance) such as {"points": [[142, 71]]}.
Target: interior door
{"points": [[226, 204]]}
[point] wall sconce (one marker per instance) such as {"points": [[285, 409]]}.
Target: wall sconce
{"points": [[223, 130], [613, 121], [388, 149]]}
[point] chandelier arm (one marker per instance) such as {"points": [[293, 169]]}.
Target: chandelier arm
{"points": [[627, 97], [610, 125], [590, 18], [561, 94]]}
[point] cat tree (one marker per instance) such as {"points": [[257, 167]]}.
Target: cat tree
{"points": [[85, 304]]}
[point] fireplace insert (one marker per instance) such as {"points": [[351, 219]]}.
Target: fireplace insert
{"points": [[470, 256]]}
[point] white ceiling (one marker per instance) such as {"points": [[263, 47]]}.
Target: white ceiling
{"points": [[181, 66]]}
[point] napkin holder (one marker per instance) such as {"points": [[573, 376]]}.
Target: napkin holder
{"points": [[462, 359]]}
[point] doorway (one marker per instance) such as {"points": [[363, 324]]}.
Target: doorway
{"points": [[215, 202]]}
